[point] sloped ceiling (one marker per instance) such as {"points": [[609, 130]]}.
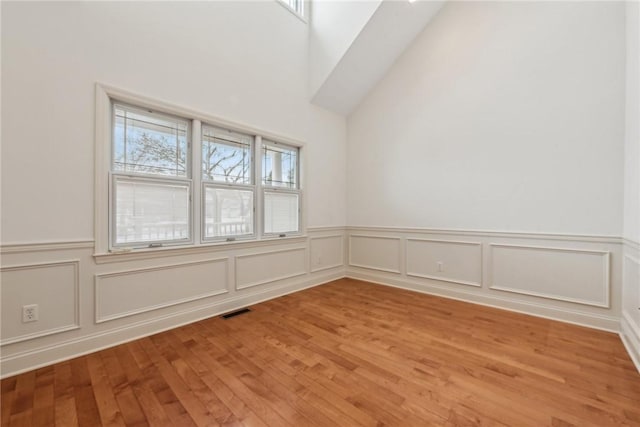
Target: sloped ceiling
{"points": [[387, 33]]}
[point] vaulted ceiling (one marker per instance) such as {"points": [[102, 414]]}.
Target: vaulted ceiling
{"points": [[387, 28]]}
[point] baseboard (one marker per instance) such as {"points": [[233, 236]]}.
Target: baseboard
{"points": [[69, 349], [630, 335], [601, 322]]}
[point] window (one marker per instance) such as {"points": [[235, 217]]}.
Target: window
{"points": [[150, 178], [227, 176], [280, 186], [174, 177]]}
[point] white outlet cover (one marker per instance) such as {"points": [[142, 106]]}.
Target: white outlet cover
{"points": [[29, 313]]}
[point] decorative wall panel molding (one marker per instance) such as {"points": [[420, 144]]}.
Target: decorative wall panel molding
{"points": [[266, 267], [445, 260], [326, 252], [566, 274], [16, 248], [53, 286], [374, 252], [631, 273], [129, 292], [486, 233]]}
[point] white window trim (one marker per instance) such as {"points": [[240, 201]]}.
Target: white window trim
{"points": [[218, 184], [275, 189], [105, 96]]}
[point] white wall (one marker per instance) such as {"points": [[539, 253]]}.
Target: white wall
{"points": [[334, 25], [632, 126], [631, 268], [244, 61], [505, 116]]}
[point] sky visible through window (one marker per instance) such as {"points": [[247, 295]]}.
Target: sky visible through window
{"points": [[149, 144]]}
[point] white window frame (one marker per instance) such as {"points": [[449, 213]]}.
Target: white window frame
{"points": [[153, 178], [284, 190], [226, 186], [106, 96]]}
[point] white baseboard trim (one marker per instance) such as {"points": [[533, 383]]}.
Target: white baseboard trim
{"points": [[43, 356], [601, 322], [630, 335]]}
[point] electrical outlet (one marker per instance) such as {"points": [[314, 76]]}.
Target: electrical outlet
{"points": [[440, 265], [29, 313]]}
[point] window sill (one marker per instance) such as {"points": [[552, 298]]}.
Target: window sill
{"points": [[168, 251]]}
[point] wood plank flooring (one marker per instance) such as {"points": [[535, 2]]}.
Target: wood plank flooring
{"points": [[348, 353]]}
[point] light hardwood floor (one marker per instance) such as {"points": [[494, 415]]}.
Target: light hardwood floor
{"points": [[348, 353]]}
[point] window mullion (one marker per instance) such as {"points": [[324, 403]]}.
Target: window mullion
{"points": [[259, 196], [196, 175]]}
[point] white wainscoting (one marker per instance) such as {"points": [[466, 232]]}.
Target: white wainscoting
{"points": [[267, 267], [129, 292], [53, 286], [100, 300], [631, 274], [572, 278], [630, 325], [85, 289], [445, 260], [565, 274], [375, 252], [327, 252]]}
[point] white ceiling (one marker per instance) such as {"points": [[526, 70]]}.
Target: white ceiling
{"points": [[389, 31]]}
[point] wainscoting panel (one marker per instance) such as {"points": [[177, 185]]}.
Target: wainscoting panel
{"points": [[450, 261], [631, 274], [267, 267], [53, 286], [129, 292], [573, 275], [326, 252], [380, 253]]}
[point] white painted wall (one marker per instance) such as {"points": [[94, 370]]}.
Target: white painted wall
{"points": [[632, 125], [334, 25], [631, 267], [244, 61], [504, 116]]}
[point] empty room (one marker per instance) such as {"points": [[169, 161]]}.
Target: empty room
{"points": [[320, 213]]}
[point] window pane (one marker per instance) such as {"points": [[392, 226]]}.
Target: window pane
{"points": [[149, 143], [296, 5], [280, 212], [228, 212], [279, 166], [150, 212], [226, 156]]}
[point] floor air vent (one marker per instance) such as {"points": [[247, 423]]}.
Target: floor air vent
{"points": [[235, 313]]}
